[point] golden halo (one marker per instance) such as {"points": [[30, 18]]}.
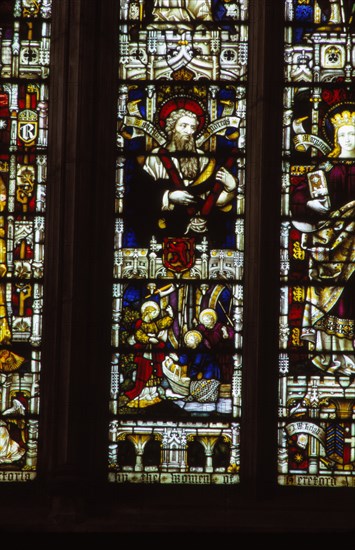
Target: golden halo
{"points": [[151, 305], [195, 334], [206, 313]]}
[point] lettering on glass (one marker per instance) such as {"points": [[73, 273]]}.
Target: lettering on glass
{"points": [[318, 210], [25, 30], [179, 243]]}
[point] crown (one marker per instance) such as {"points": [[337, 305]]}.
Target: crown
{"points": [[346, 118]]}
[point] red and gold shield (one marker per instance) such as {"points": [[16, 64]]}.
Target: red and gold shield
{"points": [[178, 253]]}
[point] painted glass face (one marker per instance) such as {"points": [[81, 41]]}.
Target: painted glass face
{"points": [[346, 139], [186, 126], [176, 376], [25, 47], [317, 284]]}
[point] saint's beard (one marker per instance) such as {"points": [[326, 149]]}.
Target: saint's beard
{"points": [[189, 165]]}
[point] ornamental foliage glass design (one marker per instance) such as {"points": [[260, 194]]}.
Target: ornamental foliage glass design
{"points": [[178, 253], [24, 71], [317, 300]]}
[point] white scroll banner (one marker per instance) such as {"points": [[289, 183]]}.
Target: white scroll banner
{"points": [[149, 128], [308, 428], [217, 126], [145, 126], [303, 141]]}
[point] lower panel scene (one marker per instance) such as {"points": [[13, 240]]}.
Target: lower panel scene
{"points": [[19, 409], [317, 439], [180, 453], [176, 383]]}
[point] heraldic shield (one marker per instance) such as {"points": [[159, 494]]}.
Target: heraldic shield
{"points": [[178, 253]]}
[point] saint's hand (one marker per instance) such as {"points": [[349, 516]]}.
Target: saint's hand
{"points": [[225, 332], [227, 179], [181, 197], [169, 310], [318, 205]]}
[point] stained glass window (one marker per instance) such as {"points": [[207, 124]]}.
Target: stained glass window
{"points": [[317, 299], [178, 264], [24, 71]]}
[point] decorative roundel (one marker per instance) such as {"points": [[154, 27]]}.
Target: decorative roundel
{"points": [[229, 56]]}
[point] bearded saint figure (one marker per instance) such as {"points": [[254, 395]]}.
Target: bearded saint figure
{"points": [[191, 188]]}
